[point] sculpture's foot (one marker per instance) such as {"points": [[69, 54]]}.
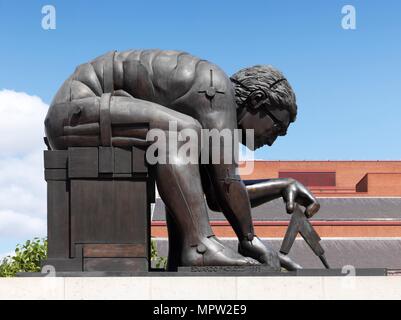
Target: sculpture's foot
{"points": [[257, 250], [210, 252], [288, 264]]}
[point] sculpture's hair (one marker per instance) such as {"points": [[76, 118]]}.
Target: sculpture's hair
{"points": [[271, 81]]}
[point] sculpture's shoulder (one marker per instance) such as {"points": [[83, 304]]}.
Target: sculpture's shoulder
{"points": [[209, 85], [211, 76]]}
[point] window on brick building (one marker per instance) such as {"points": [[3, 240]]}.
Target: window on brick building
{"points": [[312, 179]]}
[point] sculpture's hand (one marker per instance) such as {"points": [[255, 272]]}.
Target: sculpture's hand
{"points": [[297, 193]]}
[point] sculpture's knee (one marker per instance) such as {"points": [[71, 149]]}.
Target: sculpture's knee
{"points": [[54, 122], [190, 124], [191, 136], [184, 142]]}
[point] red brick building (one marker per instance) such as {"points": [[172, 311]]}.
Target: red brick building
{"points": [[337, 178], [360, 216]]}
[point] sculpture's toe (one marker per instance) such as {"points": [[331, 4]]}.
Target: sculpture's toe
{"points": [[288, 264], [257, 250], [221, 258], [252, 262]]}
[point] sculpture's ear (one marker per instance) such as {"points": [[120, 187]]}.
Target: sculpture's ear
{"points": [[256, 99]]}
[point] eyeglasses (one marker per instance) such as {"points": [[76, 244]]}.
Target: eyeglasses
{"points": [[278, 127]]}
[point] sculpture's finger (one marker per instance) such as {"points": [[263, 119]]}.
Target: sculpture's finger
{"points": [[308, 197], [312, 209], [289, 197]]}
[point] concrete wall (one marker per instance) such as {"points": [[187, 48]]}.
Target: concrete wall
{"points": [[185, 288]]}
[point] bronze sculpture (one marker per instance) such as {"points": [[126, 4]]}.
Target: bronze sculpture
{"points": [[116, 99]]}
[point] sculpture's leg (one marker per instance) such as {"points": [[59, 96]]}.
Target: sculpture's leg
{"points": [[178, 182], [180, 188], [174, 243]]}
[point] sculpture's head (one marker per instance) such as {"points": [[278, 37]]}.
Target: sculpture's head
{"points": [[266, 103]]}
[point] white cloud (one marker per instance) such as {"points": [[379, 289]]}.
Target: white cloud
{"points": [[14, 224], [21, 122], [22, 185]]}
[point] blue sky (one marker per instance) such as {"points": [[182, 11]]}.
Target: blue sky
{"points": [[347, 81]]}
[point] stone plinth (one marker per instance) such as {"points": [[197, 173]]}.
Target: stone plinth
{"points": [[98, 209]]}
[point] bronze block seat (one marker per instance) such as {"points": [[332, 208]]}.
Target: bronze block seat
{"points": [[98, 209]]}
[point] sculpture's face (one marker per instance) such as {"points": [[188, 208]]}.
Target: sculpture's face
{"points": [[267, 125]]}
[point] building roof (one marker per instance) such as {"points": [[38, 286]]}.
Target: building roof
{"points": [[331, 209], [359, 253]]}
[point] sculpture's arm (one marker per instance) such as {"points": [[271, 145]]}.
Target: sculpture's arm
{"points": [[231, 197], [292, 192], [266, 191], [222, 185], [260, 193], [208, 189]]}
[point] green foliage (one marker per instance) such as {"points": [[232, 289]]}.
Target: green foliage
{"points": [[27, 258], [160, 262]]}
